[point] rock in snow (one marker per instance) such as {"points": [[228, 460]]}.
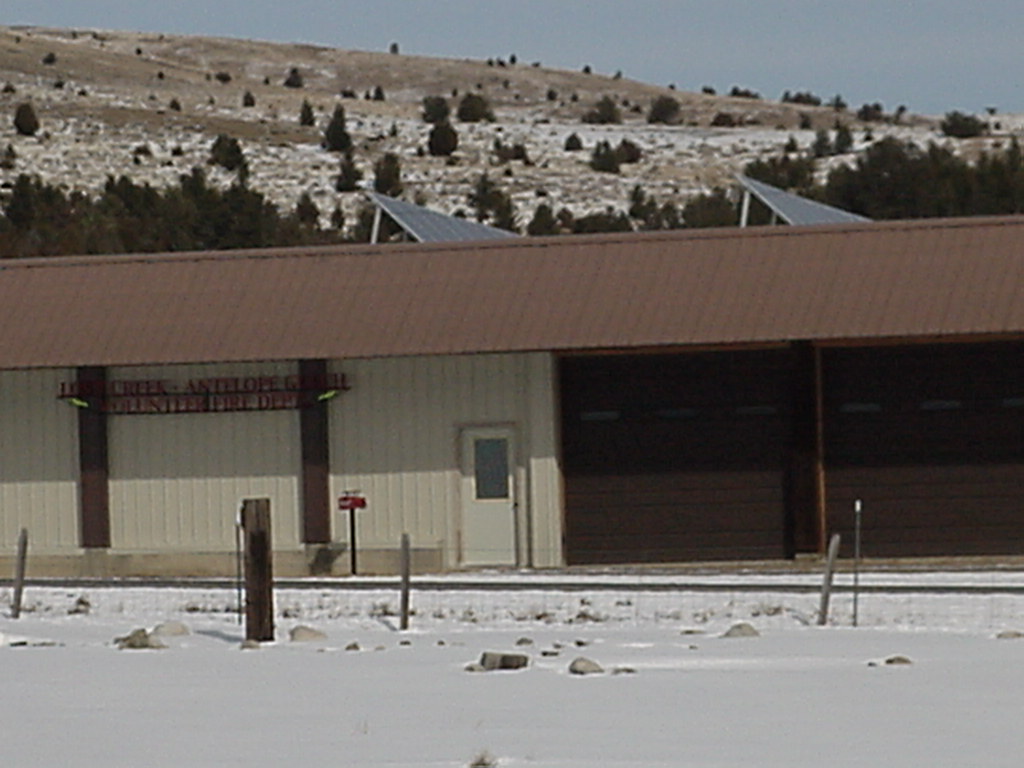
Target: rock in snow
{"points": [[304, 634], [584, 666], [171, 629], [742, 629], [138, 639], [491, 660]]}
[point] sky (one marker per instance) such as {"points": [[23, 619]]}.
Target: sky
{"points": [[932, 56]]}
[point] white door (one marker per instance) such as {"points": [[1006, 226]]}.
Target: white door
{"points": [[488, 497]]}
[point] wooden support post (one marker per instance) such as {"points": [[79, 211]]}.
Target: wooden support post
{"points": [[804, 525], [259, 572], [406, 569], [316, 457], [93, 461], [826, 584], [19, 573]]}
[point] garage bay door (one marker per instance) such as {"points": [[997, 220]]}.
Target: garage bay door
{"points": [[930, 438], [674, 458]]}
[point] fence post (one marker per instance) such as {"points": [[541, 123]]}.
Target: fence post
{"points": [[259, 572], [19, 572], [826, 584], [406, 569]]}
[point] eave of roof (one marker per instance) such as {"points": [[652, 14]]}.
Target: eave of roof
{"points": [[935, 278]]}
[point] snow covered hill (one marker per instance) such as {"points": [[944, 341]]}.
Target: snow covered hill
{"points": [[149, 106]]}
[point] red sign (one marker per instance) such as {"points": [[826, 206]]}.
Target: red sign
{"points": [[346, 503]]}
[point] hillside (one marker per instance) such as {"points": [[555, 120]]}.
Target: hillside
{"points": [[149, 106]]}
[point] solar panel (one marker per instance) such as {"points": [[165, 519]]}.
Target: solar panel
{"points": [[426, 226], [797, 210]]}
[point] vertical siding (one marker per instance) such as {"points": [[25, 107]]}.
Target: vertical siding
{"points": [[545, 475], [395, 437], [38, 461], [176, 481]]}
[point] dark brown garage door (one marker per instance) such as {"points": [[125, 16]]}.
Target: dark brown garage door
{"points": [[675, 458], [930, 438]]}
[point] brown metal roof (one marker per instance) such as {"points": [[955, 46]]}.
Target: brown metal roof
{"points": [[935, 278]]}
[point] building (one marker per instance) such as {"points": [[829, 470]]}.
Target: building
{"points": [[532, 402]]}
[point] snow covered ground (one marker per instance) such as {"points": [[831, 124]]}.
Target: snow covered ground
{"points": [[674, 692]]}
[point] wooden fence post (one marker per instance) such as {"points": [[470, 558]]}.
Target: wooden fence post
{"points": [[259, 571], [406, 569], [19, 572], [826, 584]]}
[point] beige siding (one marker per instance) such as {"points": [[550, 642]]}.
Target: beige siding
{"points": [[176, 481], [395, 437], [38, 461], [543, 471]]}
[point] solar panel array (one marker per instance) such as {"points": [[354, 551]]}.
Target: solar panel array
{"points": [[426, 226]]}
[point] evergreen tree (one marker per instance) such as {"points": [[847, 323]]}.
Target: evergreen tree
{"points": [[543, 222], [306, 116], [573, 143], [710, 210], [227, 153], [306, 210], [349, 175], [604, 159], [387, 178], [337, 218], [9, 156], [336, 138], [822, 146], [844, 140], [490, 202], [608, 220]]}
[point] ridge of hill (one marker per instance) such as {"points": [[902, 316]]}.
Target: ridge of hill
{"points": [[149, 106]]}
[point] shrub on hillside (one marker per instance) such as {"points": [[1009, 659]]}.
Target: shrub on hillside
{"points": [[306, 116], [25, 121], [871, 113], [473, 108], [605, 112], [294, 79], [227, 153], [248, 100], [801, 97], [744, 93], [962, 126], [435, 109], [627, 152], [664, 109], [604, 159], [573, 143], [443, 140]]}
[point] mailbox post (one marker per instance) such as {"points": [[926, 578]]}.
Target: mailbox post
{"points": [[350, 502]]}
